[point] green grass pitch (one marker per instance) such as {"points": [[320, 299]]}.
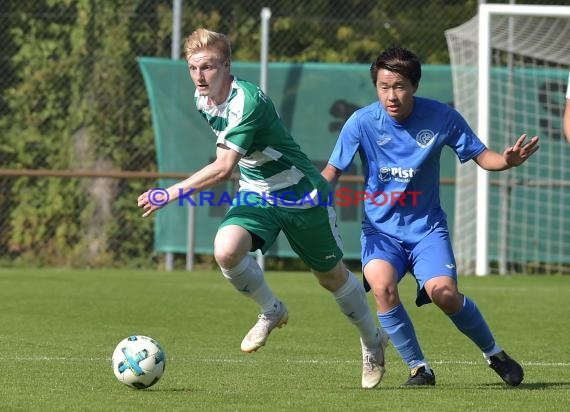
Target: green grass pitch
{"points": [[58, 329]]}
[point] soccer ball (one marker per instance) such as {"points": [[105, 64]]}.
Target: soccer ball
{"points": [[138, 361]]}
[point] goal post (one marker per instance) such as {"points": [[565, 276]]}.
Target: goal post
{"points": [[509, 65]]}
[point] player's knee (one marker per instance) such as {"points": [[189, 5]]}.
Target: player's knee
{"points": [[227, 257], [386, 296], [331, 281], [385, 292], [447, 299], [230, 248]]}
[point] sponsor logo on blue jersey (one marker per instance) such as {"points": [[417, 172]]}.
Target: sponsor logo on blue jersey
{"points": [[384, 174], [399, 174]]}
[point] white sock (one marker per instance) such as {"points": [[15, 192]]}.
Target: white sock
{"points": [[351, 298], [247, 278], [496, 349], [421, 363]]}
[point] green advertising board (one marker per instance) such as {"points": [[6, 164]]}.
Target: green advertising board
{"points": [[313, 99]]}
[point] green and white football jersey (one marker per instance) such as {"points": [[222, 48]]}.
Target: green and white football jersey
{"points": [[273, 164]]}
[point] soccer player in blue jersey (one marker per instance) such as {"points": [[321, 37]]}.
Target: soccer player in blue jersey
{"points": [[275, 177], [399, 139]]}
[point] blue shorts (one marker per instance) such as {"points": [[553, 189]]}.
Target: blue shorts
{"points": [[431, 257]]}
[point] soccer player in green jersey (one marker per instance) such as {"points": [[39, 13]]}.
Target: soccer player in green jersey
{"points": [[280, 190]]}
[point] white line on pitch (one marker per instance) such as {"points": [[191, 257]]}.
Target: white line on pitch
{"points": [[299, 361]]}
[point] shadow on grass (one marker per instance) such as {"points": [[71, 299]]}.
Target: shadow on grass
{"points": [[538, 386], [178, 390], [528, 386]]}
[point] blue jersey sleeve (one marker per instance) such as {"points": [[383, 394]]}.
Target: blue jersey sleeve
{"points": [[462, 139], [347, 145]]}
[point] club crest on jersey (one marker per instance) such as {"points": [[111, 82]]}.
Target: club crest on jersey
{"points": [[424, 138]]}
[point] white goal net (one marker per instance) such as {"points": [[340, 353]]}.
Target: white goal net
{"points": [[510, 68]]}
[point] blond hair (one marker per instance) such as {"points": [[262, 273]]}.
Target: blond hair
{"points": [[202, 39]]}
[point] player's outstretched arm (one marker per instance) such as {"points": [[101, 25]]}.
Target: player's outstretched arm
{"points": [[331, 173], [521, 151], [512, 156], [216, 172]]}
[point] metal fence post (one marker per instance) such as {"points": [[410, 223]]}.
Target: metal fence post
{"points": [[264, 57]]}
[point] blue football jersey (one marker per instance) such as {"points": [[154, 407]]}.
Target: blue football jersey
{"points": [[401, 164]]}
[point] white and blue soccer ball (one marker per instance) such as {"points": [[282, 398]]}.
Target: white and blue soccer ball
{"points": [[138, 361]]}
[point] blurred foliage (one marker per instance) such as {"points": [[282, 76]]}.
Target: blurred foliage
{"points": [[75, 100]]}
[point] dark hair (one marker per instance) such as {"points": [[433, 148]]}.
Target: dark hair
{"points": [[398, 60]]}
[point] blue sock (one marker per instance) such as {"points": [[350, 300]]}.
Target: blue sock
{"points": [[470, 321], [398, 325]]}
